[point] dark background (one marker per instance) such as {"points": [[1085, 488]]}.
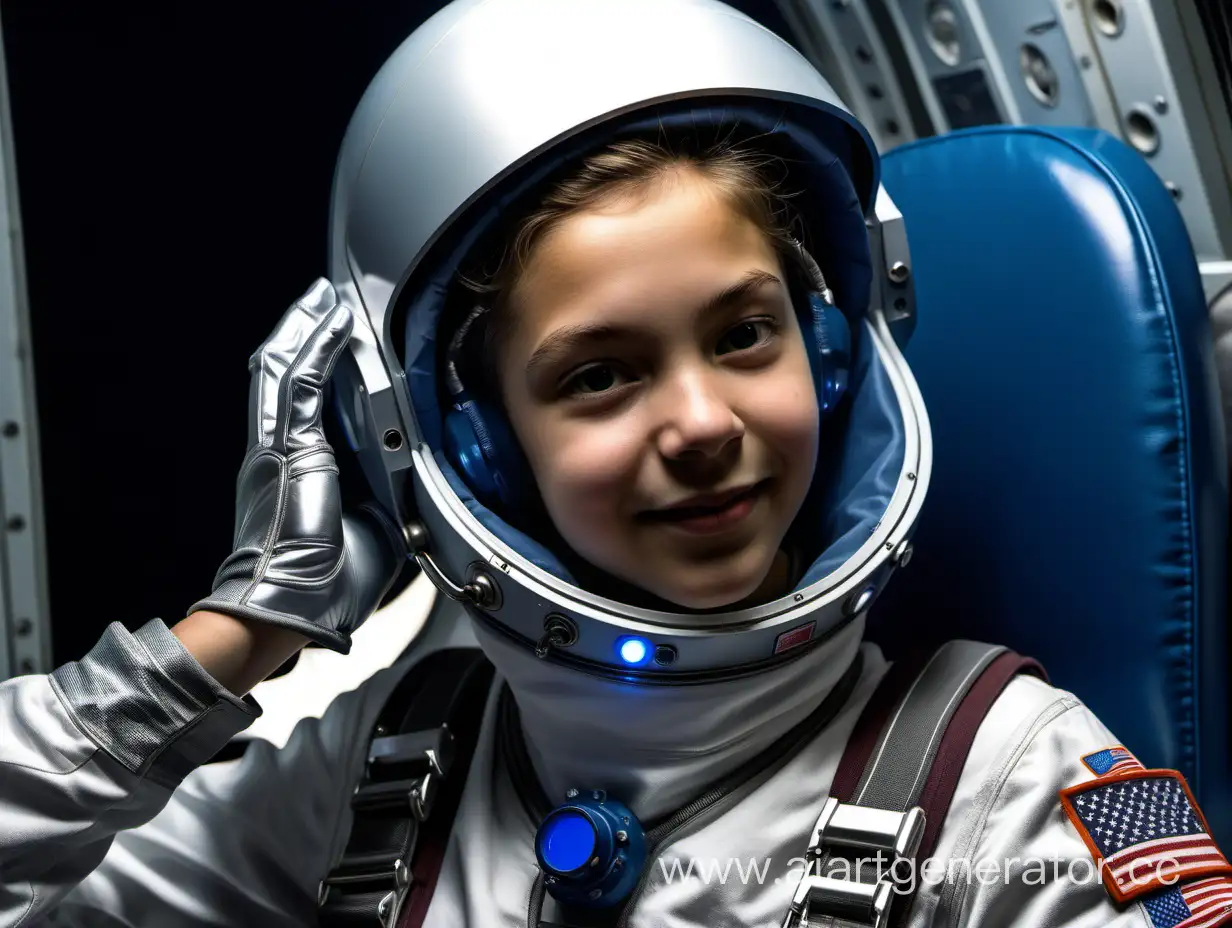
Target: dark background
{"points": [[174, 167]]}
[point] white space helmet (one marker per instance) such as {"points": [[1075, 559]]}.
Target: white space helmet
{"points": [[471, 115]]}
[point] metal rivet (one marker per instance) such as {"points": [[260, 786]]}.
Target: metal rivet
{"points": [[1160, 104], [1084, 62], [1173, 189], [392, 440], [594, 861], [11, 429], [594, 894], [911, 476], [799, 597], [622, 836], [24, 627], [571, 794], [899, 272], [15, 523], [27, 665], [904, 553]]}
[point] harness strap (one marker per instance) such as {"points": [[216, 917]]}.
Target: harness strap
{"points": [[404, 806], [895, 782]]}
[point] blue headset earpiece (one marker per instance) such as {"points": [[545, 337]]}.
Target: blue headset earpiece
{"points": [[828, 338], [478, 439]]}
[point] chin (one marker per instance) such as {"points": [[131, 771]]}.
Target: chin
{"points": [[715, 589]]}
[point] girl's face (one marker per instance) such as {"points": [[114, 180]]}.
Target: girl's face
{"points": [[657, 379]]}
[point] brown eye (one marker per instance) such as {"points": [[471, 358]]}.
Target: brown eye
{"points": [[748, 334], [597, 378]]}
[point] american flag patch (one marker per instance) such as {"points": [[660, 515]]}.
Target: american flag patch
{"points": [[1111, 760], [1145, 831], [1201, 904]]}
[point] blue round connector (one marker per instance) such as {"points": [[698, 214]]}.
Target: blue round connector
{"points": [[591, 850]]}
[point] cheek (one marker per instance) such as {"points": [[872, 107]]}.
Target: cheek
{"points": [[783, 412], [589, 468]]}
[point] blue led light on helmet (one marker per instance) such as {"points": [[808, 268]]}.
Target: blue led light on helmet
{"points": [[634, 651], [591, 849]]}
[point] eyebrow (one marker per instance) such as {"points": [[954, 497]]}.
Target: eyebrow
{"points": [[566, 339]]}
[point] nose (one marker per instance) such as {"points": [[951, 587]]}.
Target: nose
{"points": [[698, 418]]}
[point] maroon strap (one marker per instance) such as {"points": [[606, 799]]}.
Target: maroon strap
{"points": [[955, 744], [951, 756], [872, 722]]}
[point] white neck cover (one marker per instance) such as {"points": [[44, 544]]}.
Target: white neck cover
{"points": [[656, 748]]}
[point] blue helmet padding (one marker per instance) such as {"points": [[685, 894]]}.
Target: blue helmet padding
{"points": [[861, 456], [853, 486]]}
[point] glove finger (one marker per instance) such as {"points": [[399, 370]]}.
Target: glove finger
{"points": [[273, 361], [310, 374]]}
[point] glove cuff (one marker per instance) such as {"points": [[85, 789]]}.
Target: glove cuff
{"points": [[325, 637]]}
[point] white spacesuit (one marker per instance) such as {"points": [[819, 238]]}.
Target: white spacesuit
{"points": [[697, 754]]}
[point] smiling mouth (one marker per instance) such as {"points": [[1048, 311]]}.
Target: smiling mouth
{"points": [[729, 504]]}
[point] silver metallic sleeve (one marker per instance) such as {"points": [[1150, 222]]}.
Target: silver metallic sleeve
{"points": [[95, 748]]}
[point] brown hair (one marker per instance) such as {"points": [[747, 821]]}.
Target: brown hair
{"points": [[743, 175]]}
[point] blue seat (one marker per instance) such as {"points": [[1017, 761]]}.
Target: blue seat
{"points": [[1078, 509]]}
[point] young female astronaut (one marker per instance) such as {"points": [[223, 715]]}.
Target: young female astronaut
{"points": [[660, 459]]}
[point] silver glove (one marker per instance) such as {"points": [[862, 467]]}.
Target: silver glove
{"points": [[299, 562]]}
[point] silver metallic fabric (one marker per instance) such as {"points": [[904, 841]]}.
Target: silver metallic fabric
{"points": [[299, 562]]}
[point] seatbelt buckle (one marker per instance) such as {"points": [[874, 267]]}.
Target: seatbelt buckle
{"points": [[896, 834], [352, 880], [846, 901], [407, 769], [891, 836]]}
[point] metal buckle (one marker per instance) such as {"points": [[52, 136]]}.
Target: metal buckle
{"points": [[416, 761], [848, 827], [896, 833], [865, 904], [391, 903], [421, 758]]}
